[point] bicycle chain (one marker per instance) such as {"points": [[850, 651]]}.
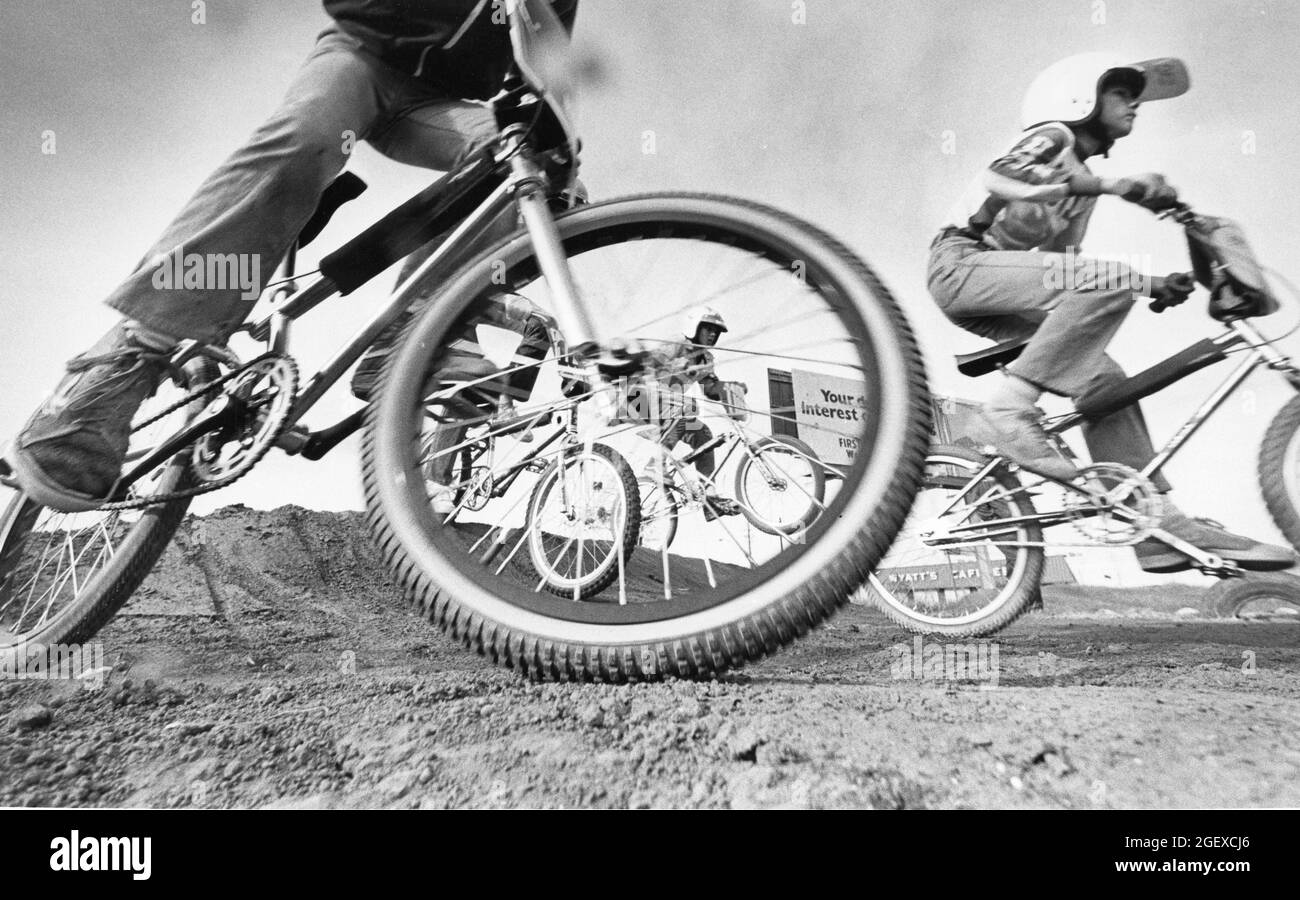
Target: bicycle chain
{"points": [[198, 394]]}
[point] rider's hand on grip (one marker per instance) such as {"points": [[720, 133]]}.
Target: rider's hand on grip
{"points": [[1149, 190], [1175, 289], [1165, 197]]}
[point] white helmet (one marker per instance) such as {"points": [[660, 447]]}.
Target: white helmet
{"points": [[696, 316], [1067, 91]]}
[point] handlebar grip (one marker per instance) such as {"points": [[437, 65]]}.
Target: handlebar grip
{"points": [[1188, 278]]}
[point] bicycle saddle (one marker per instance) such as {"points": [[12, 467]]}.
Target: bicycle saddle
{"points": [[981, 362]]}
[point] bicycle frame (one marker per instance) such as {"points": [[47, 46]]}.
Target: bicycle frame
{"points": [[484, 444], [735, 437], [483, 185], [1238, 333], [525, 188]]}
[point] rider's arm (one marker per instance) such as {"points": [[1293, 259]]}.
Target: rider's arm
{"points": [[701, 371], [711, 386], [1148, 189], [1030, 170]]}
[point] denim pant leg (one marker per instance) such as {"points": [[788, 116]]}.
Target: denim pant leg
{"points": [[696, 436], [258, 200], [442, 134], [440, 459], [1003, 295], [1122, 436], [1067, 350]]}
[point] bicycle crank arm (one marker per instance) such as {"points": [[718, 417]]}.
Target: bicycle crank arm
{"points": [[225, 415], [314, 445], [1208, 563]]}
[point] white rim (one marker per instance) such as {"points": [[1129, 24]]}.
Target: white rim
{"points": [[1013, 579]]}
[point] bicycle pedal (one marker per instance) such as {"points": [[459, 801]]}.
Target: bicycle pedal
{"points": [[1221, 568], [294, 440]]}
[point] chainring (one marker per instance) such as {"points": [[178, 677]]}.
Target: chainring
{"points": [[1121, 507], [280, 370], [479, 490], [265, 389]]}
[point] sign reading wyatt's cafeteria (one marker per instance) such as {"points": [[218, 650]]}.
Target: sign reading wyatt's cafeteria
{"points": [[829, 412]]}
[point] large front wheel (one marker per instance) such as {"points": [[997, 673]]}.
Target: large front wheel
{"points": [[801, 310]]}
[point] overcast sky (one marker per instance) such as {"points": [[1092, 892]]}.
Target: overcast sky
{"points": [[866, 119]]}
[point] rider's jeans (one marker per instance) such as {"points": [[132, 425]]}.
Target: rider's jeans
{"points": [[1001, 295], [694, 434], [257, 202]]}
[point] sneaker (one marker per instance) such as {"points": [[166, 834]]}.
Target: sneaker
{"points": [[1018, 435], [69, 455], [441, 497], [715, 507], [1206, 534]]}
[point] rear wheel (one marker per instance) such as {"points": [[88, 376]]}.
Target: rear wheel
{"points": [[796, 300], [64, 575], [977, 582]]}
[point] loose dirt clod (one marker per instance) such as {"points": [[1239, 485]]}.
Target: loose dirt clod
{"points": [[32, 716]]}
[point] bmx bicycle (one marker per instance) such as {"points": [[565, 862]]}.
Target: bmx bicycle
{"points": [[972, 555], [779, 483], [611, 273]]}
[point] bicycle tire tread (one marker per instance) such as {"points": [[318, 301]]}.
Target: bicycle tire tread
{"points": [[1010, 610], [1271, 470]]}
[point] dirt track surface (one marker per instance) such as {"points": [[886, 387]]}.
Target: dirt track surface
{"points": [[270, 663]]}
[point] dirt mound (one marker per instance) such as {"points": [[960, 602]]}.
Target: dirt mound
{"points": [[240, 561], [270, 661]]}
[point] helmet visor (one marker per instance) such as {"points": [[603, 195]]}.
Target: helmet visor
{"points": [[1165, 77]]}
